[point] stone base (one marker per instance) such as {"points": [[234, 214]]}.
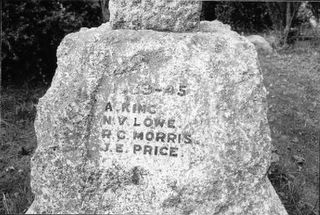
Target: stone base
{"points": [[264, 201]]}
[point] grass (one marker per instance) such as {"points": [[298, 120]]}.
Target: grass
{"points": [[293, 81]]}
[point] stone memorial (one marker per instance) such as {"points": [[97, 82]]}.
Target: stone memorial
{"points": [[148, 118]]}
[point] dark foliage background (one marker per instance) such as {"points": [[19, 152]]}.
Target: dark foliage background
{"points": [[244, 17], [32, 31]]}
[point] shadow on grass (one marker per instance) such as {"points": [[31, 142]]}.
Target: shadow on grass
{"points": [[18, 142]]}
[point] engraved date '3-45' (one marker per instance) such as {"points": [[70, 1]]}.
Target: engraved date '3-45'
{"points": [[147, 89]]}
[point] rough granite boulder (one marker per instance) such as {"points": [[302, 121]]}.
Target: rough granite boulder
{"points": [[160, 15], [146, 122]]}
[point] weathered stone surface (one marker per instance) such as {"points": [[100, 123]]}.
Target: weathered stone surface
{"points": [[147, 122], [161, 15], [260, 43]]}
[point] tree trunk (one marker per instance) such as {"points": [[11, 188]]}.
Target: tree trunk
{"points": [[104, 4], [288, 23], [289, 18]]}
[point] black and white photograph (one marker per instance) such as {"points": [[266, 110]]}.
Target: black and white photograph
{"points": [[159, 107]]}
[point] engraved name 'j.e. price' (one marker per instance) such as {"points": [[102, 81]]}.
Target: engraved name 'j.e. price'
{"points": [[141, 149], [148, 89]]}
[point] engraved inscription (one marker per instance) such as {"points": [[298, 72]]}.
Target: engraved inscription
{"points": [[148, 89], [156, 141], [154, 135], [139, 128]]}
